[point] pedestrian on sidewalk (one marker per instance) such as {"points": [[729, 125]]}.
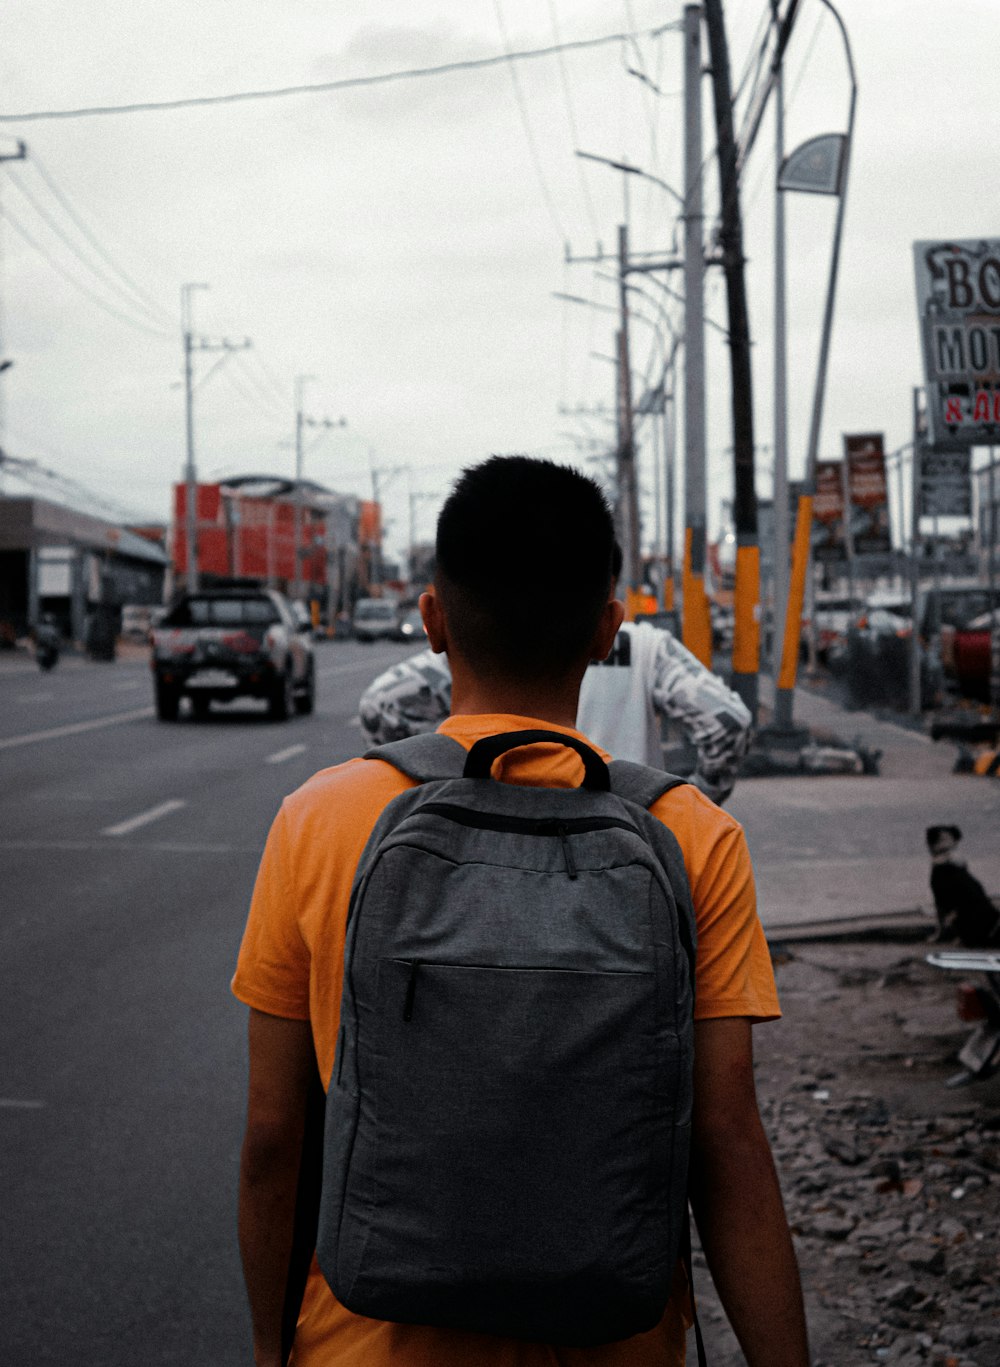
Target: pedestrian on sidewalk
{"points": [[511, 673], [647, 675]]}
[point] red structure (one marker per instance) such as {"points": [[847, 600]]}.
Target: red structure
{"points": [[246, 530]]}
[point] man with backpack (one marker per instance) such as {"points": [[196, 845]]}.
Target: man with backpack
{"points": [[484, 941], [648, 674]]}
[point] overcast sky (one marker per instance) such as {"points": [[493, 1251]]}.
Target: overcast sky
{"points": [[402, 243]]}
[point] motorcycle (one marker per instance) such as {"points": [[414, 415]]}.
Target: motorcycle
{"points": [[47, 647], [979, 1005]]}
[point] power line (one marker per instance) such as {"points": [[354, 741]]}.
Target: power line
{"points": [[274, 406], [282, 391], [143, 295], [98, 271], [522, 105], [571, 114], [805, 60], [326, 87], [251, 398], [41, 477], [84, 289]]}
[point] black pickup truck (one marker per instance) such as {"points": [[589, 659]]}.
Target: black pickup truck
{"points": [[221, 644]]}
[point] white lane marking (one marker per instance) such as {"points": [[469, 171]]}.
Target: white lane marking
{"points": [[75, 729], [36, 697], [280, 756], [155, 846], [144, 818], [354, 721], [12, 1104]]}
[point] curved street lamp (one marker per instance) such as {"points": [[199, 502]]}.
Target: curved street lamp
{"points": [[819, 166]]}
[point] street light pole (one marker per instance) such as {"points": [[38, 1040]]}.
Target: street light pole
{"points": [[837, 149]]}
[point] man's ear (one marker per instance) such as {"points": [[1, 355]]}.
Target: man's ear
{"points": [[433, 618], [612, 616]]}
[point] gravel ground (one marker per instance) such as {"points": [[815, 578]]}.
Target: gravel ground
{"points": [[891, 1180]]}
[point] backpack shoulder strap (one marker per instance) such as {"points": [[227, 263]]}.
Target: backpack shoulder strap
{"points": [[639, 783], [424, 757]]}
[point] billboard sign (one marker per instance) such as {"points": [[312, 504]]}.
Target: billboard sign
{"points": [[945, 483], [869, 494], [958, 307], [828, 512]]}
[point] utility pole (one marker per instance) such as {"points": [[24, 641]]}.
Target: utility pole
{"points": [[6, 362], [782, 530], [300, 383], [301, 422], [669, 455], [416, 497], [388, 473], [190, 477], [746, 636], [696, 620], [628, 488], [191, 345]]}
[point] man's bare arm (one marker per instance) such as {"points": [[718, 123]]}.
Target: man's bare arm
{"points": [[737, 1202], [282, 1062]]}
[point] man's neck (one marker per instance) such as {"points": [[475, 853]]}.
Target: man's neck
{"points": [[471, 695]]}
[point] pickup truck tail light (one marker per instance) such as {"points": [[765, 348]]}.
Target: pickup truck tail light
{"points": [[242, 643]]}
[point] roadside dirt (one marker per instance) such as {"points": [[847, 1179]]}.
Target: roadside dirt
{"points": [[891, 1179]]}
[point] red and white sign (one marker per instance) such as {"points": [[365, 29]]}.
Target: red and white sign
{"points": [[958, 303]]}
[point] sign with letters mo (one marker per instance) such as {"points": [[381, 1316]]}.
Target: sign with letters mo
{"points": [[958, 303]]}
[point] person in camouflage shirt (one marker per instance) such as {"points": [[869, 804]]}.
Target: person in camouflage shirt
{"points": [[648, 675]]}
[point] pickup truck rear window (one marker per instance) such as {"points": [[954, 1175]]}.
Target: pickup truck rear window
{"points": [[222, 612]]}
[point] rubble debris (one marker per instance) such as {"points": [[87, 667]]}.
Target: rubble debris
{"points": [[893, 1199]]}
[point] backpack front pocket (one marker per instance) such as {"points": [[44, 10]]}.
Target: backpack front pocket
{"points": [[517, 1118]]}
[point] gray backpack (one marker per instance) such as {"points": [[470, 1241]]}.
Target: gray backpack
{"points": [[508, 1121]]}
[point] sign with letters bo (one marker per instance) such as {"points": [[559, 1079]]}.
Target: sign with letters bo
{"points": [[958, 303]]}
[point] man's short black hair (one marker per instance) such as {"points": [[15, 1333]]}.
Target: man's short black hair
{"points": [[524, 560]]}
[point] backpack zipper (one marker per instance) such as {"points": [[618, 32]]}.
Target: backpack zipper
{"points": [[524, 825], [531, 825], [567, 851]]}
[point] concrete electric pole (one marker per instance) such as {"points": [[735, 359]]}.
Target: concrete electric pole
{"points": [[696, 625], [191, 345]]}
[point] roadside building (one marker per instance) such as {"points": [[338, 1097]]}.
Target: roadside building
{"points": [[54, 559]]}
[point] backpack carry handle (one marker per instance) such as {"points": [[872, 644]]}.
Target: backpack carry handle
{"points": [[485, 752]]}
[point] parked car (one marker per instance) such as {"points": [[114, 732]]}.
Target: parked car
{"points": [[886, 612], [410, 627], [833, 613], [375, 619], [137, 621], [970, 655], [221, 644], [947, 608]]}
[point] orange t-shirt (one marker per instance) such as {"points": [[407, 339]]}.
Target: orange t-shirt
{"points": [[291, 964]]}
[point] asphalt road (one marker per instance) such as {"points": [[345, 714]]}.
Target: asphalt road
{"points": [[128, 849]]}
